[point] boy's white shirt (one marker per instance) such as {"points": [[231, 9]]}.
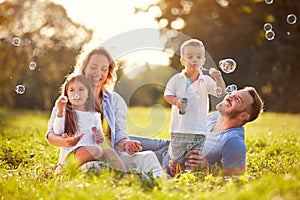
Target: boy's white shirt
{"points": [[194, 120]]}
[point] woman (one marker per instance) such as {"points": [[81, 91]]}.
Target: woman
{"points": [[99, 67]]}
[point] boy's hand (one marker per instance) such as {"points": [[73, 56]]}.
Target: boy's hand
{"points": [[179, 105], [98, 135], [215, 73]]}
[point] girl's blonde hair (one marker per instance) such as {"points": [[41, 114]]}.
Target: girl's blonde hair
{"points": [[192, 42], [83, 59], [71, 119]]}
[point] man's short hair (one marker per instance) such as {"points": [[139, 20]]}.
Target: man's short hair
{"points": [[257, 106]]}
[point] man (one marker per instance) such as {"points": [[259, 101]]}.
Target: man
{"points": [[225, 146]]}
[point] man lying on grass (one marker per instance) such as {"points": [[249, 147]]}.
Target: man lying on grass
{"points": [[225, 146]]}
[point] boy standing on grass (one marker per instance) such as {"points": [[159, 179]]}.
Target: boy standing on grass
{"points": [[188, 92]]}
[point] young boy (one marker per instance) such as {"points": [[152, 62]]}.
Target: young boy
{"points": [[188, 92]]}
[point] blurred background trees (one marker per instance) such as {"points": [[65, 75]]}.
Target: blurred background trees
{"points": [[234, 29], [228, 28], [49, 38]]}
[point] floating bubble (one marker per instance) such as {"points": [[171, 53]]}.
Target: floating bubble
{"points": [[227, 65], [230, 88], [75, 97], [269, 1], [268, 27], [203, 69], [32, 65], [270, 35], [291, 19], [20, 89], [16, 42], [218, 91]]}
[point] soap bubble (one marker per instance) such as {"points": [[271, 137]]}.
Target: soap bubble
{"points": [[218, 91], [268, 27], [16, 41], [203, 69], [75, 97], [270, 35], [269, 1], [291, 19], [227, 65], [230, 88], [32, 66], [20, 89]]}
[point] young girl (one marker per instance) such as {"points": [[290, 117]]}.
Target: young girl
{"points": [[78, 113]]}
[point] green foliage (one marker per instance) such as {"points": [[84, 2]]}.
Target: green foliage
{"points": [[27, 164], [235, 29], [49, 38]]}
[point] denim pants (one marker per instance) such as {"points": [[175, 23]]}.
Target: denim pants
{"points": [[158, 146]]}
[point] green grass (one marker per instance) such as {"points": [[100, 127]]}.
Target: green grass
{"points": [[273, 163]]}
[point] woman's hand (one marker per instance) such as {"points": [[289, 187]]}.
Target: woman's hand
{"points": [[132, 146], [71, 141]]}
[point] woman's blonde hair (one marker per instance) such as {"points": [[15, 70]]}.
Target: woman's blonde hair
{"points": [[84, 58]]}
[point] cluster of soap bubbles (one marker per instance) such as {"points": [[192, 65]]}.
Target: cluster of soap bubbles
{"points": [[20, 89], [227, 65], [230, 88], [269, 33]]}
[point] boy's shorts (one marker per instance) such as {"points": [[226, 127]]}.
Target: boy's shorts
{"points": [[182, 143]]}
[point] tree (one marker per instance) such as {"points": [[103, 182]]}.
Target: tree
{"points": [[48, 38], [234, 29]]}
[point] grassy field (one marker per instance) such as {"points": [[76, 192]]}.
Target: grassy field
{"points": [[27, 163]]}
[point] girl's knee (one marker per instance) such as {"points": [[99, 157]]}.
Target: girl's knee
{"points": [[90, 152]]}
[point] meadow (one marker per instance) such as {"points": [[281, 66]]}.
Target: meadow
{"points": [[27, 163]]}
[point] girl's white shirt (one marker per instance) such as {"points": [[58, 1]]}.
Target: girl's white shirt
{"points": [[86, 120]]}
